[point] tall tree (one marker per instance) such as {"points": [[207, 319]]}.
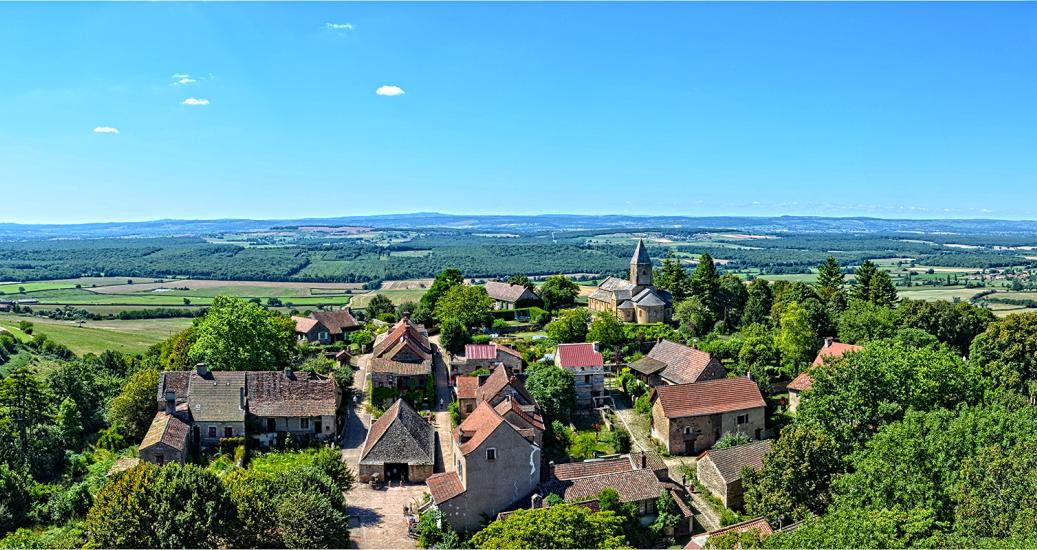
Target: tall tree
{"points": [[134, 408], [240, 335], [1007, 351], [553, 388], [693, 317], [570, 326], [470, 305], [606, 329], [862, 277], [705, 282], [521, 280], [731, 300], [379, 304], [558, 291], [830, 281], [796, 340], [758, 303], [881, 291], [447, 279], [671, 276], [27, 402]]}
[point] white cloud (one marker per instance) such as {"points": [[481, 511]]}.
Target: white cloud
{"points": [[106, 130], [388, 90], [185, 80], [194, 101], [339, 26], [177, 76]]}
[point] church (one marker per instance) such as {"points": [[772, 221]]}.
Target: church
{"points": [[633, 300]]}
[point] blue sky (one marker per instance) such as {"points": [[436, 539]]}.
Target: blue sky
{"points": [[895, 110]]}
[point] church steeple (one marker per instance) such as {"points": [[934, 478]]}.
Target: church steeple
{"points": [[641, 266]]}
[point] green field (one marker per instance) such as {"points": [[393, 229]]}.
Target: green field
{"points": [[939, 293], [98, 336], [17, 288], [397, 297]]}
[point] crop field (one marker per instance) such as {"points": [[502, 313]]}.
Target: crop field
{"points": [[397, 297], [937, 294], [97, 336]]}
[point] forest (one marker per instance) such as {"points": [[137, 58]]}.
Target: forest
{"points": [[397, 254]]}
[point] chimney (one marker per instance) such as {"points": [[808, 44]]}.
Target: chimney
{"points": [[242, 399], [536, 501], [828, 341], [597, 347], [202, 369], [170, 401], [644, 460]]}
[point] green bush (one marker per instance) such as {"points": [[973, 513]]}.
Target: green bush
{"points": [[643, 404]]}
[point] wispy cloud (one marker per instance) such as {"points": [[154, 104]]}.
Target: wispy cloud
{"points": [[185, 80], [106, 130], [177, 76], [389, 90], [194, 101], [339, 26]]}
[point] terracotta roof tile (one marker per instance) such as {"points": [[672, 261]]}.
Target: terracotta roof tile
{"points": [[801, 382], [579, 355], [709, 397], [683, 364], [466, 386], [168, 430], [303, 324], [755, 524], [588, 468], [480, 351], [477, 427], [631, 486], [834, 349], [444, 487]]}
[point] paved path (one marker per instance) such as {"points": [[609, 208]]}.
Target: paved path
{"points": [[444, 395], [358, 421], [376, 518]]}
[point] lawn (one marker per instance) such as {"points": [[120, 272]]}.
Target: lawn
{"points": [[276, 462], [98, 336]]}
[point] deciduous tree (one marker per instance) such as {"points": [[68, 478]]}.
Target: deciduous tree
{"points": [[558, 291], [238, 335], [135, 406]]}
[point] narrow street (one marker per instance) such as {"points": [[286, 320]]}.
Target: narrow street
{"points": [[441, 408]]}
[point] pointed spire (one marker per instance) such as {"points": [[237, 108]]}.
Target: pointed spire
{"points": [[640, 254]]}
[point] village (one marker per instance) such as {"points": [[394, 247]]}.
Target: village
{"points": [[459, 438]]}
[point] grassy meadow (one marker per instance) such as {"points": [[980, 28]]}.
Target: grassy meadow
{"points": [[97, 336]]}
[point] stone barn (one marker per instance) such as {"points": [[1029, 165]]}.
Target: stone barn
{"points": [[400, 446]]}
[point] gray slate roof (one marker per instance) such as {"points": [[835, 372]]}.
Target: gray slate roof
{"points": [[272, 393], [400, 435], [216, 397], [729, 462], [640, 254], [648, 298]]}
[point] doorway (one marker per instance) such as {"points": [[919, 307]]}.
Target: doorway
{"points": [[395, 471]]}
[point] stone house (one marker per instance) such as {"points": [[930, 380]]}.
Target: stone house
{"points": [[506, 393], [260, 404], [635, 299], [325, 327], [672, 363], [166, 440], [401, 445], [302, 404], [402, 357], [803, 382], [688, 418], [720, 470], [585, 363], [496, 465], [485, 356], [507, 296]]}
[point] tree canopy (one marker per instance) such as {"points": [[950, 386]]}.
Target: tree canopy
{"points": [[240, 335]]}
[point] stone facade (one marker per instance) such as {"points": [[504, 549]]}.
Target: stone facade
{"points": [[693, 434], [635, 299]]}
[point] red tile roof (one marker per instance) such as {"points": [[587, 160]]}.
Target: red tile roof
{"points": [[801, 382], [709, 397], [466, 386], [444, 487], [579, 355], [304, 324], [497, 381], [834, 349], [477, 427], [404, 331], [337, 320], [755, 524]]}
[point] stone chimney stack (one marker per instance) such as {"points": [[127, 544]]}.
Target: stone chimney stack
{"points": [[202, 369], [644, 460], [170, 396], [828, 341]]}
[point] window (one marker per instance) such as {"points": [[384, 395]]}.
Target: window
{"points": [[586, 379], [469, 407], [271, 425], [491, 454], [212, 432], [304, 423], [687, 430], [160, 459], [743, 419], [228, 432], [460, 471]]}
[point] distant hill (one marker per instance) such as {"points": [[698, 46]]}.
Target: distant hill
{"points": [[524, 224]]}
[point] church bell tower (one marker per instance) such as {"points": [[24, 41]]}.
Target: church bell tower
{"points": [[641, 266]]}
